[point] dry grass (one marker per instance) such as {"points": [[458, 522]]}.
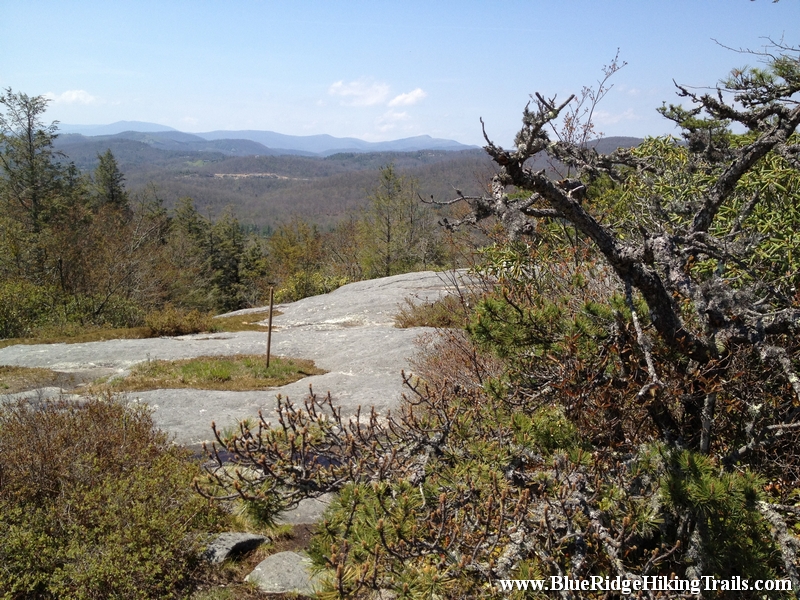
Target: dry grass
{"points": [[236, 373], [447, 357], [22, 379], [79, 335], [249, 322], [446, 312]]}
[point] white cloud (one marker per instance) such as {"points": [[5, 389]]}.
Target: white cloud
{"points": [[390, 119], [602, 117], [72, 97], [360, 93], [411, 97]]}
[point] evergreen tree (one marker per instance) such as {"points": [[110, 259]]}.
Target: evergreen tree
{"points": [[397, 229], [30, 174], [109, 188]]}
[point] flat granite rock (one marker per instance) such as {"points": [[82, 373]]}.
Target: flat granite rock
{"points": [[285, 572], [349, 332]]}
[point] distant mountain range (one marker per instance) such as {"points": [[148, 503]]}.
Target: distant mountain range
{"points": [[265, 178], [247, 142]]}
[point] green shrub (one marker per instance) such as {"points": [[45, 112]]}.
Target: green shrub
{"points": [[95, 502], [27, 309], [177, 321], [23, 307], [304, 284], [736, 536]]}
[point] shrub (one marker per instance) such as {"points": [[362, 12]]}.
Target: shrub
{"points": [[95, 502], [446, 312], [304, 284], [177, 321], [23, 307], [27, 309]]}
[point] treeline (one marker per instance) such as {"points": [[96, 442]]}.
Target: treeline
{"points": [[79, 250]]}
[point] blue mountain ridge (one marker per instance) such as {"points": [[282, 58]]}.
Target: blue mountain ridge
{"points": [[261, 142]]}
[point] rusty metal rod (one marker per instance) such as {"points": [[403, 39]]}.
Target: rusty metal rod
{"points": [[269, 327]]}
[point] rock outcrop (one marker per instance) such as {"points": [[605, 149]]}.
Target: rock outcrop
{"points": [[350, 333]]}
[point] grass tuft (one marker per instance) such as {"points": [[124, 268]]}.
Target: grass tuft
{"points": [[236, 373], [248, 322], [447, 312]]}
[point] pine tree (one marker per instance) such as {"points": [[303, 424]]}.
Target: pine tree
{"points": [[109, 188]]}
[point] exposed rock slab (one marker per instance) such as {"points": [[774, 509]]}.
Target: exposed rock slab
{"points": [[285, 572], [349, 332]]}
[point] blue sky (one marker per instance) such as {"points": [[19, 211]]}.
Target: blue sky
{"points": [[374, 70]]}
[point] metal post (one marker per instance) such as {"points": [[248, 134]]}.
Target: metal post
{"points": [[269, 327]]}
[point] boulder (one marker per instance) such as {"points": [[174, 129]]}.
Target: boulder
{"points": [[285, 573], [232, 543]]}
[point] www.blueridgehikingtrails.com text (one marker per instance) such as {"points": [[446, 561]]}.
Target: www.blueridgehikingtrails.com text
{"points": [[655, 583]]}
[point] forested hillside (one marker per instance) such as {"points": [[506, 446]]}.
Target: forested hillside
{"points": [[88, 242], [266, 190], [262, 187]]}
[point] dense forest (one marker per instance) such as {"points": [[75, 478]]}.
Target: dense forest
{"points": [[262, 190]]}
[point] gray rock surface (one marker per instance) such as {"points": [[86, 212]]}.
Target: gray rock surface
{"points": [[307, 512], [285, 572], [232, 543], [349, 332]]}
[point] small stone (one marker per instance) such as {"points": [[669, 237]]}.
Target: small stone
{"points": [[232, 543]]}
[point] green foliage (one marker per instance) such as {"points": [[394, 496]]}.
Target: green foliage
{"points": [[302, 284], [736, 538], [762, 210], [207, 262], [95, 503], [23, 307], [397, 230], [547, 430], [31, 177], [297, 253], [109, 189]]}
